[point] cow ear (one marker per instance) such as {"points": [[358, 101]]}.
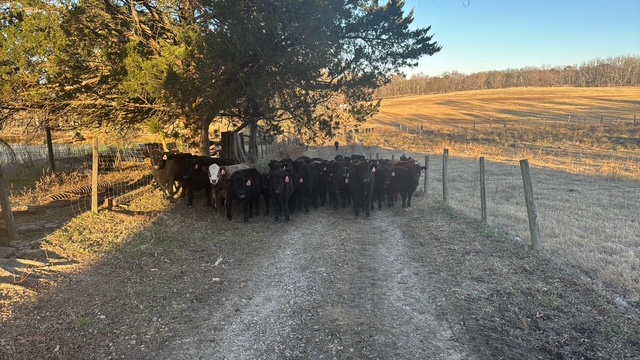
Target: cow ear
{"points": [[286, 179]]}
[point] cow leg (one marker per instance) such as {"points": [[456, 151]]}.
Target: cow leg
{"points": [[404, 199], [266, 207], [286, 211], [356, 208], [307, 201], [409, 195], [246, 206], [228, 206], [208, 193], [190, 196], [368, 209]]}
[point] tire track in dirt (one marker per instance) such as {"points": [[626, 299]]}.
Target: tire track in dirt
{"points": [[323, 286]]}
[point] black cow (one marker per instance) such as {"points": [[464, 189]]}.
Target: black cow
{"points": [[336, 176], [167, 169], [381, 184], [323, 180], [196, 178], [305, 185], [404, 180], [361, 182], [280, 188], [244, 188], [265, 179]]}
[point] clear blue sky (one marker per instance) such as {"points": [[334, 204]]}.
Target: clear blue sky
{"points": [[512, 34]]}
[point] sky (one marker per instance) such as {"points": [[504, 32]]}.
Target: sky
{"points": [[512, 34]]}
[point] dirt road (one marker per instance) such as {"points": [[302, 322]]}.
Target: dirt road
{"points": [[417, 284], [324, 285]]}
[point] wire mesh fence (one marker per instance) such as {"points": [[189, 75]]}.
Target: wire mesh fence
{"points": [[590, 222]]}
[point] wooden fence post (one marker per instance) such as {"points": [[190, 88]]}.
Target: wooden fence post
{"points": [[52, 161], [94, 178], [445, 176], [534, 228], [5, 204], [483, 193], [426, 174]]}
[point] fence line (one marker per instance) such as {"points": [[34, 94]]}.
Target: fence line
{"points": [[588, 222]]}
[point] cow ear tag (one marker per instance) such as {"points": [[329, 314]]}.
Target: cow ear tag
{"points": [[346, 181], [373, 170], [249, 182], [393, 173], [301, 180], [196, 167], [222, 172], [286, 179], [164, 157]]}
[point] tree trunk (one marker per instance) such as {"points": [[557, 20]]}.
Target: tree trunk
{"points": [[204, 137], [232, 147], [253, 140]]}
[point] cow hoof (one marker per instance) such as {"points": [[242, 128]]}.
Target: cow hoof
{"points": [[368, 217]]}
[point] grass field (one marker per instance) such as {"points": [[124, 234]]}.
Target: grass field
{"points": [[580, 130]]}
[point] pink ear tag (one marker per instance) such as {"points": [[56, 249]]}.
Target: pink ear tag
{"points": [[301, 180], [373, 170], [222, 172], [346, 181], [164, 157], [249, 182], [196, 167], [286, 179], [393, 173]]}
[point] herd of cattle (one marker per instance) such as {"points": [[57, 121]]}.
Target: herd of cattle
{"points": [[288, 185]]}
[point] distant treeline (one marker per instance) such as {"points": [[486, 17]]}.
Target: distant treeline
{"points": [[618, 71]]}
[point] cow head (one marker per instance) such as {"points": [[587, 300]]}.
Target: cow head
{"points": [[238, 184], [158, 159], [214, 174]]}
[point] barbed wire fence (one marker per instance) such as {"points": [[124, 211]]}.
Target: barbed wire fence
{"points": [[588, 222]]}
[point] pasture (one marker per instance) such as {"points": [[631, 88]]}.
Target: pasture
{"points": [[579, 130]]}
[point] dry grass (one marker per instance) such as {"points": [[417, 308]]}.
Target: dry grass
{"points": [[556, 128], [512, 104], [89, 237]]}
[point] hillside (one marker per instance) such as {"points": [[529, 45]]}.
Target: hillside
{"points": [[510, 104]]}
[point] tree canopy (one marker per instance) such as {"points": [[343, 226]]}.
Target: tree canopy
{"points": [[173, 64]]}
